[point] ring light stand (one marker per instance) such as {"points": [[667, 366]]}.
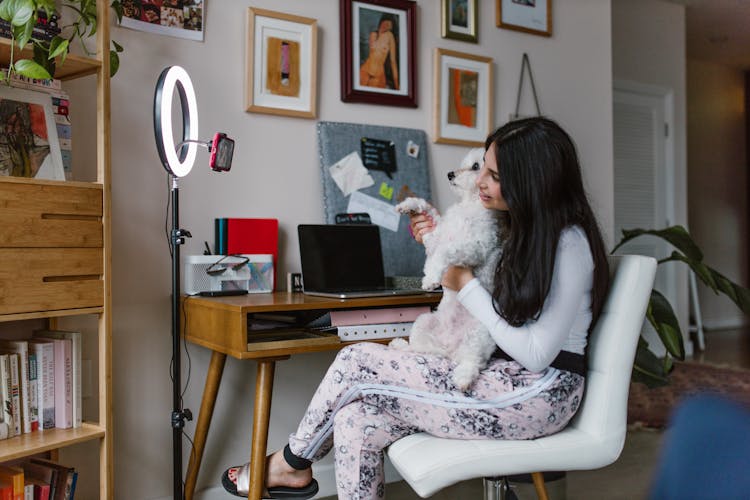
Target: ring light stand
{"points": [[179, 165]]}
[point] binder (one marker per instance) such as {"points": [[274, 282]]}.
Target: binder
{"points": [[377, 331], [247, 236], [375, 316]]}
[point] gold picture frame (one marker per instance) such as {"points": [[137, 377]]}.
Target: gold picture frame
{"points": [[281, 64], [463, 104], [459, 20], [528, 16]]}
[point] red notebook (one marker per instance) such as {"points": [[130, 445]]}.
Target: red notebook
{"points": [[248, 236]]}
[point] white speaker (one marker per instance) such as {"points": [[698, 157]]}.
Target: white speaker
{"points": [[253, 273]]}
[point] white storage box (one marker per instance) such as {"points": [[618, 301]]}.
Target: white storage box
{"points": [[253, 273]]}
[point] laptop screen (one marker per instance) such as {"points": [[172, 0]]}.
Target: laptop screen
{"points": [[340, 257]]}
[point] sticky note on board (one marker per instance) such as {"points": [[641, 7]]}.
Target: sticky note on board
{"points": [[386, 191]]}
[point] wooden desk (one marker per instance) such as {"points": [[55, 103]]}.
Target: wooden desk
{"points": [[221, 325]]}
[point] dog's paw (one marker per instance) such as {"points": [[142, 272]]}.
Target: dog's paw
{"points": [[413, 205], [399, 343], [464, 375], [429, 283]]}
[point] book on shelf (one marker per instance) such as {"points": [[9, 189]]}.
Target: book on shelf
{"points": [[6, 490], [15, 394], [44, 351], [44, 478], [379, 315], [65, 478], [13, 475], [77, 349], [29, 422], [33, 389], [6, 396], [39, 489], [63, 386]]}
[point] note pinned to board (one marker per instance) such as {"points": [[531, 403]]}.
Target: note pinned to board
{"points": [[350, 174], [381, 213]]}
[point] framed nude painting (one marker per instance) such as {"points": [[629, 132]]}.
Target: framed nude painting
{"points": [[281, 67], [378, 52]]}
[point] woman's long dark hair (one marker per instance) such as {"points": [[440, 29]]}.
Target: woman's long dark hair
{"points": [[540, 180]]}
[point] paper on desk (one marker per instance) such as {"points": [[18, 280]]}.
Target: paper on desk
{"points": [[350, 174], [381, 213]]}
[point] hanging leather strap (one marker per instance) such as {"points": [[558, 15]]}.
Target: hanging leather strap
{"points": [[526, 66]]}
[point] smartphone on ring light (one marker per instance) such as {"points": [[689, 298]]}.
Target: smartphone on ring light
{"points": [[222, 150]]}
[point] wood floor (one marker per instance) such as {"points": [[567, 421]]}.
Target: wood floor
{"points": [[630, 476]]}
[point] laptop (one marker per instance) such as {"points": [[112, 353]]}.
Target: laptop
{"points": [[344, 261]]}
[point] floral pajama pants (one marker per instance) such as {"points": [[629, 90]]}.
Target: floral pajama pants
{"points": [[373, 395]]}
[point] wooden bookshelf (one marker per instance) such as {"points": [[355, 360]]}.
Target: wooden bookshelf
{"points": [[73, 67], [56, 258]]}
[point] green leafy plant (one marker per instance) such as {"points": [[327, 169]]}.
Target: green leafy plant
{"points": [[22, 16], [649, 368]]}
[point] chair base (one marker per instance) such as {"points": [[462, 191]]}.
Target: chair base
{"points": [[498, 488]]}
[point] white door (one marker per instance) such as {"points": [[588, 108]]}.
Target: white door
{"points": [[643, 184]]}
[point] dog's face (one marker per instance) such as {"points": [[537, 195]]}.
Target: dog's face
{"points": [[463, 180]]}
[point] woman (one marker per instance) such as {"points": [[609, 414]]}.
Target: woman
{"points": [[382, 50], [548, 289]]}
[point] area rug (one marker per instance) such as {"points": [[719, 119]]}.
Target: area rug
{"points": [[652, 407]]}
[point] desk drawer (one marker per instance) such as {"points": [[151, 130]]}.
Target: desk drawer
{"points": [[50, 214], [43, 279]]}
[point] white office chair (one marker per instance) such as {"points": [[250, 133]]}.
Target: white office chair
{"points": [[595, 436]]}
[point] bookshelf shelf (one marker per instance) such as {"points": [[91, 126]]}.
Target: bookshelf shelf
{"points": [[56, 260], [74, 66], [50, 439]]}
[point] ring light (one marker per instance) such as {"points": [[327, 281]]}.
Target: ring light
{"points": [[175, 77]]}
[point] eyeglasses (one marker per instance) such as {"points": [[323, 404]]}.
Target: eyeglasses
{"points": [[221, 265]]}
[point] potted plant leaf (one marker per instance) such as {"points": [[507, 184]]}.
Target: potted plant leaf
{"points": [[649, 368], [22, 15]]}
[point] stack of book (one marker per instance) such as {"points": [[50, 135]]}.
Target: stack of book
{"points": [[381, 323], [60, 107], [45, 29], [37, 479], [40, 383]]}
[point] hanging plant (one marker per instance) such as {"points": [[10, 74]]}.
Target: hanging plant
{"points": [[23, 15], [649, 368]]}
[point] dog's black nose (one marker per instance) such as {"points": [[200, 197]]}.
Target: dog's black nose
{"points": [[451, 176]]}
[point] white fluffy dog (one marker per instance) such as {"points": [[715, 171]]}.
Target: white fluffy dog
{"points": [[466, 235]]}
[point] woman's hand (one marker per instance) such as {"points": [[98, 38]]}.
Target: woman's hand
{"points": [[456, 277], [420, 224]]}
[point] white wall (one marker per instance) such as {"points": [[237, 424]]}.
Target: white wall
{"points": [[717, 188], [648, 47], [276, 174]]}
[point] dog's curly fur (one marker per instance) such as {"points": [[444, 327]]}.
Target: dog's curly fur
{"points": [[466, 235]]}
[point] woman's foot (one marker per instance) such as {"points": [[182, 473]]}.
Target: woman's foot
{"points": [[281, 480], [280, 473]]}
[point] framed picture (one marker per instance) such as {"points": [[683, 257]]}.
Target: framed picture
{"points": [[28, 135], [463, 98], [378, 52], [460, 20], [281, 69], [529, 16]]}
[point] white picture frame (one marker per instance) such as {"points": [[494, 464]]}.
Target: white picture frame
{"points": [[29, 146], [463, 98]]}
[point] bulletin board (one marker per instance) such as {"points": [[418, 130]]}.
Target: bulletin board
{"points": [[394, 160]]}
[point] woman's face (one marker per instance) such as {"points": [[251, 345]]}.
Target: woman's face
{"points": [[488, 183]]}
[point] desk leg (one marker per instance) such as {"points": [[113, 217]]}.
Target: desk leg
{"points": [[261, 417], [213, 379]]}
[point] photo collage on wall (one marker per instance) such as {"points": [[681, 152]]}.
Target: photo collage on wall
{"points": [[179, 18]]}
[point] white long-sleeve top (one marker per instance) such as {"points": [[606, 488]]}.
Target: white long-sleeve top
{"points": [[566, 313]]}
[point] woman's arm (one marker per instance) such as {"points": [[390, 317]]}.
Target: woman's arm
{"points": [[420, 224], [394, 66], [535, 344]]}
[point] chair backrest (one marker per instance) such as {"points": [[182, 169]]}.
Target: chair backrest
{"points": [[612, 345]]}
